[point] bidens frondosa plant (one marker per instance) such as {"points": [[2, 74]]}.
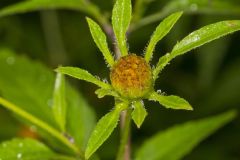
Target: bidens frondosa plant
{"points": [[132, 76]]}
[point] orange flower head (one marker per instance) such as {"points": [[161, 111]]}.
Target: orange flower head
{"points": [[131, 77]]}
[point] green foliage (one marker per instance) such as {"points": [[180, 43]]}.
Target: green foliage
{"points": [[82, 75], [102, 92], [162, 30], [59, 101], [100, 40], [65, 117], [30, 96], [32, 102], [121, 17], [204, 35], [25, 149], [33, 5], [173, 102], [176, 142], [197, 38], [213, 7], [139, 113], [103, 129]]}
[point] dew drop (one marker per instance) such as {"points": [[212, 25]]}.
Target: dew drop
{"points": [[159, 91], [19, 155], [167, 55], [194, 7], [105, 80], [10, 60], [195, 38]]}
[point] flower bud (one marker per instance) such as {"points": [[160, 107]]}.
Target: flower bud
{"points": [[131, 77]]}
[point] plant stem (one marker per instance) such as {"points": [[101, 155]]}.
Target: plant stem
{"points": [[125, 145], [53, 38], [16, 109]]}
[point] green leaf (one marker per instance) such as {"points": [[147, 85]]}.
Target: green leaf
{"points": [[205, 35], [178, 141], [82, 75], [33, 5], [101, 92], [100, 40], [173, 102], [79, 111], [24, 149], [34, 120], [121, 17], [59, 101], [28, 149], [32, 93], [162, 30], [103, 129], [162, 62], [196, 39], [139, 113]]}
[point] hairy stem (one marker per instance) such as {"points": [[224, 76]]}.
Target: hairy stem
{"points": [[124, 152], [17, 110]]}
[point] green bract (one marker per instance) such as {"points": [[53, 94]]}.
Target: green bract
{"points": [[130, 84], [132, 81]]}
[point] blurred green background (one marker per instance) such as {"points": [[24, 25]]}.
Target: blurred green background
{"points": [[209, 77]]}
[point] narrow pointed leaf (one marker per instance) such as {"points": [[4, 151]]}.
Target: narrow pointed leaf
{"points": [[82, 75], [198, 38], [205, 35], [173, 102], [103, 130], [121, 17], [178, 141], [101, 92], [162, 62], [139, 113], [100, 40], [59, 101], [162, 30]]}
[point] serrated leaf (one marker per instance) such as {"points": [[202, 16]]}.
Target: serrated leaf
{"points": [[100, 40], [173, 102], [103, 129], [121, 17], [101, 92], [59, 101], [162, 30], [82, 75], [198, 38], [139, 113], [33, 5], [24, 149], [176, 142]]}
